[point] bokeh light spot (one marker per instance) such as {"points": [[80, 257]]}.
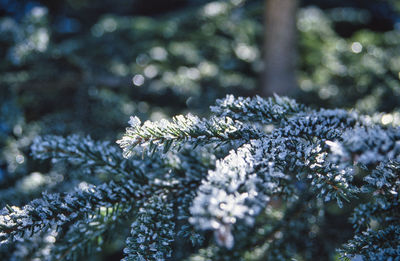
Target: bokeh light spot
{"points": [[356, 47]]}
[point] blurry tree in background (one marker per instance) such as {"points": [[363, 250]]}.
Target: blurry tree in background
{"points": [[84, 67], [280, 47], [360, 71]]}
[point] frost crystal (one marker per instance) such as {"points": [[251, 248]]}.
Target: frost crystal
{"points": [[134, 121]]}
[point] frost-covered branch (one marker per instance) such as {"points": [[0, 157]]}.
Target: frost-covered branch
{"points": [[369, 145], [188, 128], [88, 154], [269, 110], [260, 175], [152, 232], [55, 209]]}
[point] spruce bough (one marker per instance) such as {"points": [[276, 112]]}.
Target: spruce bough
{"points": [[258, 176]]}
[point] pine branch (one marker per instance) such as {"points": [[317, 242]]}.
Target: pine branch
{"points": [[377, 245], [307, 156], [368, 145], [54, 209], [89, 155], [322, 124], [266, 111], [152, 232], [164, 134], [89, 234]]}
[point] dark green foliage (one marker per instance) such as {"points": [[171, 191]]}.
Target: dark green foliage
{"points": [[183, 172], [269, 198]]}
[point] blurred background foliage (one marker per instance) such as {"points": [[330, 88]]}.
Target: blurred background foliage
{"points": [[80, 66]]}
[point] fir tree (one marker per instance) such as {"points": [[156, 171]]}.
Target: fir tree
{"points": [[257, 175]]}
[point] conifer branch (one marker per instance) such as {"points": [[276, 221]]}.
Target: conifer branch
{"points": [[164, 134], [222, 175], [89, 155], [56, 210], [266, 111]]}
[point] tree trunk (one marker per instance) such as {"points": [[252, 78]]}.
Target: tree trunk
{"points": [[280, 50]]}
